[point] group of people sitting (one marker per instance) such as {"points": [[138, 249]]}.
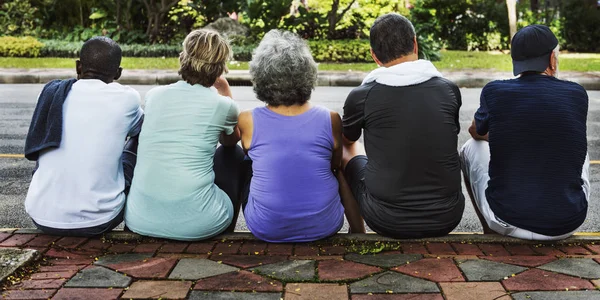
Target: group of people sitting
{"points": [[176, 169]]}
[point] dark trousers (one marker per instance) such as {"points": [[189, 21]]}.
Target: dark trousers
{"points": [[229, 176], [128, 158]]}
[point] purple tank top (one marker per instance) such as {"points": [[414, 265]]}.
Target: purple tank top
{"points": [[293, 193]]}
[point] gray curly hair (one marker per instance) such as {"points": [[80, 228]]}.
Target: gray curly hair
{"points": [[282, 69]]}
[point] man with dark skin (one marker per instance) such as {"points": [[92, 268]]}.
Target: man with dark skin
{"points": [[85, 163]]}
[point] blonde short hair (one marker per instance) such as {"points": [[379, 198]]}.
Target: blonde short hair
{"points": [[204, 57]]}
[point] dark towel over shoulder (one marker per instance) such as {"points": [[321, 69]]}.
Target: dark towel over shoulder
{"points": [[45, 130]]}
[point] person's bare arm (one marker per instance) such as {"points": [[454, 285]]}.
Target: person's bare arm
{"points": [[336, 126], [222, 86], [231, 139], [246, 129], [473, 132]]}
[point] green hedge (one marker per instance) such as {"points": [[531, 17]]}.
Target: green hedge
{"points": [[20, 46], [342, 51]]}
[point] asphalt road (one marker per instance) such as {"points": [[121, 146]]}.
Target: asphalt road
{"points": [[17, 103]]}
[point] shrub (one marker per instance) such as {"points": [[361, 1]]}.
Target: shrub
{"points": [[581, 25], [20, 46]]}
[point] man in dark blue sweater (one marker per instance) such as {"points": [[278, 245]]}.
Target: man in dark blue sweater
{"points": [[526, 167]]}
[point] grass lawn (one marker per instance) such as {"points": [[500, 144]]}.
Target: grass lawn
{"points": [[451, 60]]}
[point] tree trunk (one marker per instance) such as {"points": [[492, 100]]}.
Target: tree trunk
{"points": [[332, 18], [512, 16], [534, 4]]}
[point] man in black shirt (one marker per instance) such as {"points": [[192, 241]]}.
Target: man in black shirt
{"points": [[409, 186]]}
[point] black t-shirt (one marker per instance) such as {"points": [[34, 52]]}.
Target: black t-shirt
{"points": [[538, 144], [413, 173]]}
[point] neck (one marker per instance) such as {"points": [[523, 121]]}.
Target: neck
{"points": [[291, 110], [402, 59]]}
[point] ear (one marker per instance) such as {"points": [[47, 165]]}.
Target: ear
{"points": [[375, 58], [78, 68], [416, 49], [553, 61], [118, 75]]}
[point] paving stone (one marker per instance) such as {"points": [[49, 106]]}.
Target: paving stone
{"points": [[4, 235], [182, 255], [87, 294], [97, 277], [155, 267], [17, 240], [592, 247], [570, 295], [438, 270], [596, 283], [291, 270], [121, 248], [39, 284], [315, 291], [200, 247], [485, 270], [474, 291], [69, 261], [71, 242], [227, 248], [539, 280], [548, 250], [332, 250], [393, 282], [306, 250], [525, 261], [440, 248], [147, 248], [385, 261], [158, 290], [174, 247], [280, 249], [519, 250], [96, 244], [414, 248], [201, 295], [242, 281], [116, 259], [318, 257], [493, 250], [54, 275], [59, 268], [11, 259], [253, 248], [574, 250], [397, 297], [248, 261], [71, 254], [27, 294], [42, 241], [191, 268], [334, 270], [467, 249], [580, 267]]}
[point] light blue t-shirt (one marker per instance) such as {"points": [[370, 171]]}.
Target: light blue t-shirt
{"points": [[173, 194]]}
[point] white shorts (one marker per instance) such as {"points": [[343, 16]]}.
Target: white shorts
{"points": [[475, 158]]}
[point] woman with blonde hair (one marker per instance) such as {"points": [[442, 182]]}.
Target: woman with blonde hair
{"points": [[295, 148], [185, 188]]}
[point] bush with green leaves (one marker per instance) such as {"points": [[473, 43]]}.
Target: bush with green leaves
{"points": [[20, 46], [18, 18], [581, 25]]}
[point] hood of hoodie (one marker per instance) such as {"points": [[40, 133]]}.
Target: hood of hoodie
{"points": [[404, 74]]}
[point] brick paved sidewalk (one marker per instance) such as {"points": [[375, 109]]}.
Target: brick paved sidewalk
{"points": [[80, 268]]}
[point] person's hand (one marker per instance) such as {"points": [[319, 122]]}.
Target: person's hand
{"points": [[222, 86]]}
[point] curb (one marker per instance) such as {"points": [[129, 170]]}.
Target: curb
{"points": [[465, 78], [458, 237]]}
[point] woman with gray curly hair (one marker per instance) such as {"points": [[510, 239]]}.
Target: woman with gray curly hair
{"points": [[179, 191], [295, 148]]}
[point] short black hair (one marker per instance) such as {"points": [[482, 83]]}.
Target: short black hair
{"points": [[391, 37], [100, 56]]}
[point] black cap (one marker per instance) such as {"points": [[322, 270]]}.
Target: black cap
{"points": [[531, 48]]}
